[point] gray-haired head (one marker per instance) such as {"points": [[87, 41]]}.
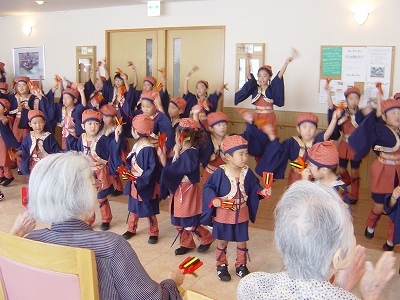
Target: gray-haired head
{"points": [[311, 224], [61, 188]]}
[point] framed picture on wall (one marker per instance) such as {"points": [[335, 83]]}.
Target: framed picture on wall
{"points": [[29, 61]]}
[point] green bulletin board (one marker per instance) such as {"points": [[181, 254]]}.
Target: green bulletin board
{"points": [[331, 61]]}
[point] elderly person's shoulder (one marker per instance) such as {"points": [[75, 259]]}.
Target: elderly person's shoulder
{"points": [[76, 233], [262, 285]]}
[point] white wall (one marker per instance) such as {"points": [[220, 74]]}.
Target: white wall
{"points": [[302, 24]]}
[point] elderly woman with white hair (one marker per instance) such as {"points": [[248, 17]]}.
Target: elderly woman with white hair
{"points": [[62, 191], [314, 234]]}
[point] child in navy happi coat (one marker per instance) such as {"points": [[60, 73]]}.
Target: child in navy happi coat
{"points": [[230, 199], [181, 176], [38, 143], [384, 139], [7, 143], [276, 155], [104, 152], [143, 163]]}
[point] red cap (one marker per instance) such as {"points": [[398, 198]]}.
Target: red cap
{"points": [[150, 79], [6, 104], [149, 96], [203, 82], [143, 124], [396, 96], [72, 92], [233, 143], [324, 155], [389, 104], [307, 117], [179, 103], [353, 89], [216, 117], [267, 68], [189, 123], [3, 85], [108, 110], [35, 113], [22, 78], [91, 115]]}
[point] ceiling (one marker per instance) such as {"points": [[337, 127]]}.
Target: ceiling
{"points": [[28, 7]]}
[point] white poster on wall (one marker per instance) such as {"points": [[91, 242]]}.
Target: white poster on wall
{"points": [[354, 64], [337, 87]]}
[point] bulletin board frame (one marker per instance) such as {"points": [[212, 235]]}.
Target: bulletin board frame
{"points": [[359, 66]]}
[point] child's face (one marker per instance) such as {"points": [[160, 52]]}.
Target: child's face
{"points": [[22, 88], [201, 89], [98, 85], [238, 158], [219, 129], [392, 117], [352, 101], [108, 121], [307, 131], [37, 124], [91, 127], [263, 77], [147, 86], [118, 82], [2, 110], [173, 110], [148, 108], [68, 100], [316, 172]]}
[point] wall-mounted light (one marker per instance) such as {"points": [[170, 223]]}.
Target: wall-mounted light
{"points": [[27, 29], [361, 14], [39, 2]]}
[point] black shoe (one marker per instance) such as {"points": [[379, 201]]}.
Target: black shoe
{"points": [[353, 201], [7, 181], [105, 226], [2, 179], [182, 250], [222, 272], [387, 247], [152, 239], [127, 235], [242, 271], [203, 248], [368, 235], [19, 171], [116, 193]]}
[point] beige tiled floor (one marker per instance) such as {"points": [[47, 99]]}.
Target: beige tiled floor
{"points": [[159, 259]]}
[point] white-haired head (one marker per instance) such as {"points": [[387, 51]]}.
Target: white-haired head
{"points": [[311, 224], [61, 188]]}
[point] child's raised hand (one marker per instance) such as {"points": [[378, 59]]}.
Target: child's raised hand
{"points": [[118, 130], [80, 88], [196, 109], [396, 193], [327, 87], [266, 192], [216, 202], [306, 174], [248, 117], [124, 76], [336, 114]]}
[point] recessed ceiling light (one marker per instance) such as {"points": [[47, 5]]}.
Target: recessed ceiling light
{"points": [[39, 2]]}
